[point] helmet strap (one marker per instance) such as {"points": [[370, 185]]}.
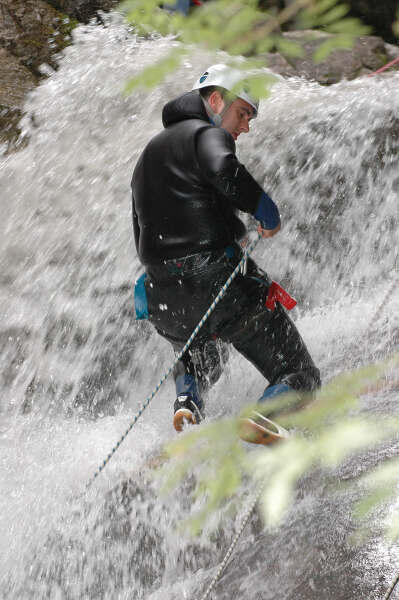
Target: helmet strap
{"points": [[217, 117]]}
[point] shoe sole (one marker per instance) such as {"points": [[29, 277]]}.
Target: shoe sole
{"points": [[183, 416], [263, 431]]}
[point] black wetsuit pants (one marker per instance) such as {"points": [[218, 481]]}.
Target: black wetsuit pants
{"points": [[180, 291]]}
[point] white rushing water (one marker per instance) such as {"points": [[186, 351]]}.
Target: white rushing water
{"points": [[75, 365]]}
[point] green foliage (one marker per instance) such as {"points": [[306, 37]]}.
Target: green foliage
{"points": [[288, 47], [380, 486], [330, 16], [395, 26], [325, 14], [339, 41], [217, 478], [147, 17], [325, 433], [239, 28], [155, 74], [65, 25]]}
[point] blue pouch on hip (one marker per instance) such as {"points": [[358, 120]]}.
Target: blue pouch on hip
{"points": [[140, 298]]}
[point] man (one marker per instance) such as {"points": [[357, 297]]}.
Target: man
{"points": [[187, 188]]}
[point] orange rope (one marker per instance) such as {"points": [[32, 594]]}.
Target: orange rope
{"points": [[385, 67]]}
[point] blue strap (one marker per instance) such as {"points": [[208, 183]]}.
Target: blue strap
{"points": [[267, 212], [140, 298]]}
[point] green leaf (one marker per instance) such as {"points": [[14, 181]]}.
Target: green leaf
{"points": [[340, 440], [321, 6], [371, 501], [295, 458], [334, 400], [395, 25], [393, 527], [238, 48], [333, 15], [339, 41], [258, 86], [155, 74], [266, 44], [383, 474], [351, 27], [288, 47], [382, 484], [309, 16]]}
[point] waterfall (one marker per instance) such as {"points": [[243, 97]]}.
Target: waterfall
{"points": [[76, 366]]}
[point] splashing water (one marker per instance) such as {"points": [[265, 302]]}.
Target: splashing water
{"points": [[75, 365]]}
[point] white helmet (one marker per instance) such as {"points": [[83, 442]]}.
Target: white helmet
{"points": [[227, 78]]}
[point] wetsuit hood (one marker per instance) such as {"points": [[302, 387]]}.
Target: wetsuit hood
{"points": [[187, 106]]}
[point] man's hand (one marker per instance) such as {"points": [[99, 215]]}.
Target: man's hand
{"points": [[268, 233]]}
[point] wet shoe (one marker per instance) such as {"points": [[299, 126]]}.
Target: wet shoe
{"points": [[186, 412], [258, 429]]}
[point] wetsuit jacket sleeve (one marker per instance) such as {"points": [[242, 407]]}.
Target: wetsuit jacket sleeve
{"points": [[219, 165]]}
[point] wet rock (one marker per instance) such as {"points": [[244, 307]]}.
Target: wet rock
{"points": [[368, 54], [14, 350], [64, 334], [278, 64], [16, 81], [98, 396], [45, 394], [99, 393], [32, 31], [10, 133], [392, 51]]}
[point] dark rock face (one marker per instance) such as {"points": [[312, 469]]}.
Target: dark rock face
{"points": [[16, 81], [379, 15], [82, 10], [32, 32]]}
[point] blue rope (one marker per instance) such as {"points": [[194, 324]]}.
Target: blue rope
{"points": [[241, 265]]}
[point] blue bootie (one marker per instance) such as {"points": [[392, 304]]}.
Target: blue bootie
{"points": [[275, 390]]}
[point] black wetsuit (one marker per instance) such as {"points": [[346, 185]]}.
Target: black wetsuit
{"points": [[187, 187]]}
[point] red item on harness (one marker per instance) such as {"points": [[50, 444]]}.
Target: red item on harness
{"points": [[278, 294], [196, 2]]}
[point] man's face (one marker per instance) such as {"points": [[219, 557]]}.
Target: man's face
{"points": [[237, 118]]}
